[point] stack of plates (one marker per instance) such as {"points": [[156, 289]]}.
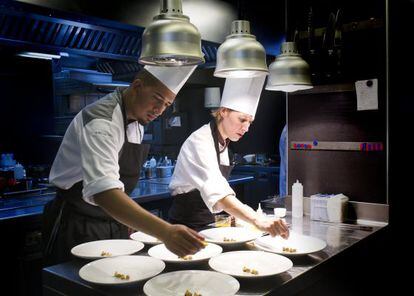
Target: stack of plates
{"points": [[145, 238], [250, 264], [230, 236], [296, 244], [137, 268], [162, 253], [107, 248], [206, 283]]}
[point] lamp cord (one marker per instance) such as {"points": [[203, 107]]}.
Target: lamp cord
{"points": [[286, 19], [240, 10]]}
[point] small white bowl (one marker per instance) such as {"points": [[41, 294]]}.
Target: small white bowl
{"points": [[249, 158], [279, 212]]}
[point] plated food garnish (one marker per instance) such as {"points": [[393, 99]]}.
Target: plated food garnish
{"points": [[106, 254], [186, 257], [188, 293], [121, 276], [226, 239], [250, 270], [254, 271], [288, 249]]}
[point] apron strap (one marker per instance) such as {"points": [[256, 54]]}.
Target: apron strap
{"points": [[55, 230], [189, 208], [214, 133]]}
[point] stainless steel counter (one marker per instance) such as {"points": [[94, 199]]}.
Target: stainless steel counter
{"points": [[63, 279], [147, 190]]}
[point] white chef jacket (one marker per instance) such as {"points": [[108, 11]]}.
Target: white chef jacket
{"points": [[197, 168], [91, 145]]}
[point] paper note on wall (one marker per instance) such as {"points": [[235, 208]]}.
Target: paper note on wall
{"points": [[367, 94]]}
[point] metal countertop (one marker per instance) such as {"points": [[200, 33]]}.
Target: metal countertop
{"points": [[340, 237]]}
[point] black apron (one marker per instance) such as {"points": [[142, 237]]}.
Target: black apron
{"points": [[189, 208], [68, 220]]}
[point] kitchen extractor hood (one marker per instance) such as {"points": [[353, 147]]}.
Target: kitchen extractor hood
{"points": [[69, 81], [28, 27]]}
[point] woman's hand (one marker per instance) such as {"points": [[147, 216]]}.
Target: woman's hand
{"points": [[182, 240], [274, 227]]}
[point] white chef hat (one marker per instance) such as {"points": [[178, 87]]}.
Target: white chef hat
{"points": [[172, 77], [242, 94]]}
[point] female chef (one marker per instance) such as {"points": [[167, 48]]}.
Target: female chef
{"points": [[199, 184]]}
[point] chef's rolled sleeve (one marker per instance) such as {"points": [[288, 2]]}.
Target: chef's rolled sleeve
{"points": [[100, 158], [98, 186], [213, 190], [197, 168]]}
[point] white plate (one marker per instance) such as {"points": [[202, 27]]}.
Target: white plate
{"points": [[206, 283], [145, 238], [239, 234], [266, 264], [115, 247], [137, 267], [161, 252], [303, 244]]}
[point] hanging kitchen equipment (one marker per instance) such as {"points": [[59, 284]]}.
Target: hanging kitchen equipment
{"points": [[289, 72], [241, 55], [171, 40]]}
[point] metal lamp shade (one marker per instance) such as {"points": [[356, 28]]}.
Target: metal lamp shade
{"points": [[289, 72], [241, 55], [171, 40]]}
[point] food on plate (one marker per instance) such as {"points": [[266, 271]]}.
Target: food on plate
{"points": [[204, 243], [289, 250], [188, 293], [186, 257], [226, 239], [121, 276], [106, 254], [252, 271]]}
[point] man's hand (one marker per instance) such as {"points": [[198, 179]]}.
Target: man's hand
{"points": [[274, 227], [182, 240]]}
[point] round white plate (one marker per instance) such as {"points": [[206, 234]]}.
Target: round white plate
{"points": [[145, 238], [115, 247], [266, 264], [303, 244], [239, 234], [161, 252], [206, 283], [137, 267]]}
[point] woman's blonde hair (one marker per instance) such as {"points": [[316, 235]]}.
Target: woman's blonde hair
{"points": [[216, 113]]}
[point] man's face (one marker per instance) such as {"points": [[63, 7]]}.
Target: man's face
{"points": [[151, 102]]}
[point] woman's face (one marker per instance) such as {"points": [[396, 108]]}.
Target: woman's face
{"points": [[235, 124]]}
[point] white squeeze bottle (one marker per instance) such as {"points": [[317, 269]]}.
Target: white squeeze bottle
{"points": [[259, 210], [297, 199]]}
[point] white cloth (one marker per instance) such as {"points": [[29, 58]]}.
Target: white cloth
{"points": [[197, 168], [172, 77], [90, 152], [242, 94]]}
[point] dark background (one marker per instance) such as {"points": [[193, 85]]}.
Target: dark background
{"points": [[26, 113]]}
